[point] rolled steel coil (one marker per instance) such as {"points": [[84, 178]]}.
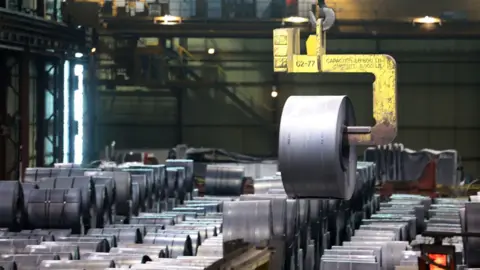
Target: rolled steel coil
{"points": [[180, 190], [152, 220], [279, 211], [109, 184], [28, 261], [110, 238], [262, 185], [150, 187], [85, 245], [154, 254], [163, 250], [134, 204], [38, 237], [15, 245], [74, 251], [224, 180], [316, 160], [195, 236], [54, 233], [141, 227], [104, 210], [472, 225], [8, 265], [11, 205], [247, 220], [87, 187], [130, 235], [123, 190], [33, 174], [158, 176], [178, 244], [121, 260], [80, 264], [55, 208], [187, 164], [211, 228], [143, 191], [205, 230]]}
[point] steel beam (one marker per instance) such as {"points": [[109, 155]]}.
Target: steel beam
{"points": [[234, 28]]}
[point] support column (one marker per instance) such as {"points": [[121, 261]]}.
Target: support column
{"points": [[24, 105], [91, 97], [40, 121], [180, 94], [4, 126], [275, 115], [71, 118], [59, 106]]}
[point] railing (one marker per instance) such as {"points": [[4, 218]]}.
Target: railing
{"points": [[259, 107]]}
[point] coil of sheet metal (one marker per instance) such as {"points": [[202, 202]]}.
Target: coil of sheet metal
{"points": [[87, 188], [314, 158], [247, 220], [126, 235], [104, 211], [224, 180], [11, 205], [264, 184], [279, 206], [27, 261], [74, 251], [188, 168], [55, 208], [123, 190], [141, 181]]}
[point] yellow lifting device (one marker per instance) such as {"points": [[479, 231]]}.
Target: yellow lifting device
{"points": [[287, 58]]}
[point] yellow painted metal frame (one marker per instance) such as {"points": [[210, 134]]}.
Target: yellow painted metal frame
{"points": [[287, 58]]}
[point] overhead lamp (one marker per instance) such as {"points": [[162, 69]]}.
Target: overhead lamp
{"points": [[295, 20], [427, 20], [274, 92], [211, 51], [78, 55], [167, 20], [93, 50]]}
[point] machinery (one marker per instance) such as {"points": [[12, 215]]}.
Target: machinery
{"points": [[318, 134]]}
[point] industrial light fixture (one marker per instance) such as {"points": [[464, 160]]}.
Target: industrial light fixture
{"points": [[427, 20], [93, 50], [78, 55], [167, 20], [274, 92], [295, 20], [211, 51]]}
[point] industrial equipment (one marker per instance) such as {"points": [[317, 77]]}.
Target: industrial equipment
{"points": [[318, 134]]}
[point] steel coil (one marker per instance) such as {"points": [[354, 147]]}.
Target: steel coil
{"points": [[80, 264], [135, 202], [247, 220], [472, 225], [84, 246], [315, 159], [178, 244], [152, 220], [11, 205], [87, 188], [15, 245], [28, 261], [262, 185], [74, 251], [187, 164], [143, 191], [195, 237], [104, 210], [224, 180], [129, 235], [279, 210], [55, 208], [149, 183], [123, 190], [154, 254], [8, 265], [27, 187]]}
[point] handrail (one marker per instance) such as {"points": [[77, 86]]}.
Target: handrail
{"points": [[183, 51]]}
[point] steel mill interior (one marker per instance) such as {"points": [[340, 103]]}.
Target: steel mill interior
{"points": [[240, 134]]}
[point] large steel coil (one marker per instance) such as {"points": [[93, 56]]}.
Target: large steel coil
{"points": [[87, 188], [143, 191], [152, 253], [264, 184], [149, 183], [129, 235], [11, 205], [171, 182], [315, 159], [55, 208], [224, 180], [195, 237], [247, 220], [42, 249], [109, 185], [178, 244], [279, 211], [134, 203], [80, 264], [28, 261], [104, 211], [187, 164], [123, 190], [159, 177]]}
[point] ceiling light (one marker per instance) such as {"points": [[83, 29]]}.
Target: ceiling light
{"points": [[295, 19], [78, 55], [93, 50], [274, 93], [167, 20], [211, 51], [427, 20]]}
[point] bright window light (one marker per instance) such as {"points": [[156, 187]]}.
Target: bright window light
{"points": [[66, 111], [78, 115]]}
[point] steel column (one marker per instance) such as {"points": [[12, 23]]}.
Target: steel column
{"points": [[180, 93], [40, 113], [59, 107], [71, 117], [4, 127], [91, 98], [24, 105]]}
